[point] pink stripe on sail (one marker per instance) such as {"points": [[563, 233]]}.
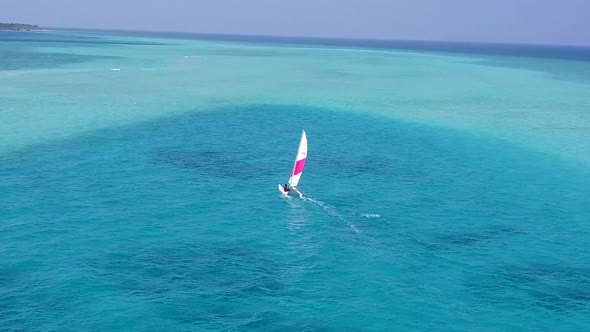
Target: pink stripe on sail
{"points": [[299, 166]]}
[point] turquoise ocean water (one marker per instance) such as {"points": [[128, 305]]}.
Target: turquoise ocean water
{"points": [[138, 186]]}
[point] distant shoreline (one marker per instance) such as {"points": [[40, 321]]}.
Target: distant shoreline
{"points": [[36, 30], [18, 27]]}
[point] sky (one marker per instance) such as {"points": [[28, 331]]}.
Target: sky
{"points": [[565, 22]]}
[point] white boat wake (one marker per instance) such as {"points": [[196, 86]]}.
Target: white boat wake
{"points": [[331, 210]]}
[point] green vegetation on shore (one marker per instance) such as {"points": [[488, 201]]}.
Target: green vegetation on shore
{"points": [[18, 26]]}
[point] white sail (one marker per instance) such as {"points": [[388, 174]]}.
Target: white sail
{"points": [[299, 161]]}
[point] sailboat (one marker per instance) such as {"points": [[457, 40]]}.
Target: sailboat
{"points": [[298, 166]]}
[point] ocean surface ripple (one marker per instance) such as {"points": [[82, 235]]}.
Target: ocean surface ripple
{"points": [[148, 210]]}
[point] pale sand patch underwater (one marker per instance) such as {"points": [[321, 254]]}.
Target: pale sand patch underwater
{"points": [[123, 80]]}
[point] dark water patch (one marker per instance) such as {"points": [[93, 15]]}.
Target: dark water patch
{"points": [[574, 71], [279, 322], [8, 277], [221, 280], [344, 166], [555, 287], [305, 325], [213, 273], [28, 59], [323, 126], [467, 239], [33, 299], [238, 165], [228, 148]]}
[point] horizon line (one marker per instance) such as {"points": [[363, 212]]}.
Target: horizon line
{"points": [[322, 38]]}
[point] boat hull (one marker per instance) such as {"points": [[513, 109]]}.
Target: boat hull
{"points": [[282, 190]]}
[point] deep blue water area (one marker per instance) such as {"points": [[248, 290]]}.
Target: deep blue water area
{"points": [[176, 224]]}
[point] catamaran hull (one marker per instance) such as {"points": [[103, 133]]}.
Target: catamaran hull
{"points": [[282, 190], [293, 191]]}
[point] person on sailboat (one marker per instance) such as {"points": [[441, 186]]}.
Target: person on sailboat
{"points": [[286, 187]]}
